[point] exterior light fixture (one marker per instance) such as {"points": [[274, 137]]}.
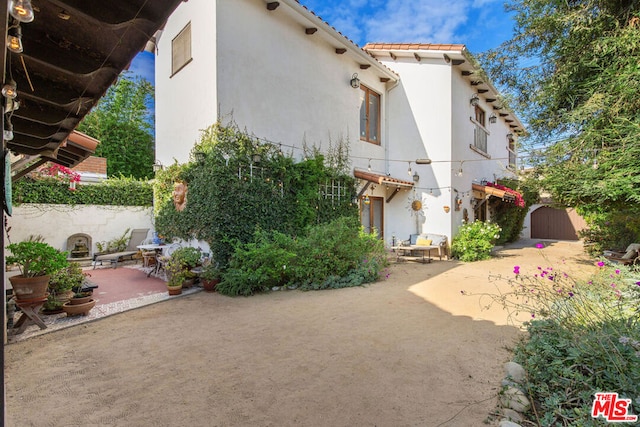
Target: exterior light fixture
{"points": [[423, 161], [510, 136], [10, 89], [493, 118], [14, 41], [416, 177], [256, 158], [474, 99], [157, 166], [21, 10], [8, 132], [409, 171], [355, 81]]}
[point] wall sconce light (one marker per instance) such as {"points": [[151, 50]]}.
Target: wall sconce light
{"points": [[14, 41], [200, 157], [10, 89], [256, 158], [416, 177], [493, 118], [157, 166], [474, 99], [21, 10], [510, 136], [355, 81]]}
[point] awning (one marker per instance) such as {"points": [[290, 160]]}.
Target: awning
{"points": [[73, 51], [393, 184], [504, 193]]}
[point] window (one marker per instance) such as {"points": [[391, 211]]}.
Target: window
{"points": [[480, 132], [181, 49], [512, 153], [370, 116]]}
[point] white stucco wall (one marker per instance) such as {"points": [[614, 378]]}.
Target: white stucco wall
{"points": [[186, 102], [56, 223]]}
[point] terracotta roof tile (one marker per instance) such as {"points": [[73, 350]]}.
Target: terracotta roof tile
{"points": [[414, 46], [381, 179]]}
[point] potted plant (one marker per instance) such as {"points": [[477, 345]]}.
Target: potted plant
{"points": [[176, 276], [187, 258], [210, 277], [63, 282], [37, 261]]}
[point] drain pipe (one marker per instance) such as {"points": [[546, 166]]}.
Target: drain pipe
{"points": [[386, 127]]}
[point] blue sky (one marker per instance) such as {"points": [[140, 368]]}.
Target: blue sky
{"points": [[478, 24]]}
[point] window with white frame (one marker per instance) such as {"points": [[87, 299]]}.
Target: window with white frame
{"points": [[181, 49], [480, 132]]}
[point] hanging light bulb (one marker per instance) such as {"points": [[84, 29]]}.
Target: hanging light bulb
{"points": [[10, 89], [369, 167], [410, 172], [21, 10], [14, 41], [8, 132]]}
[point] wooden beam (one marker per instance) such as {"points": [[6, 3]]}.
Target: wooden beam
{"points": [[458, 61], [310, 30], [364, 189], [466, 73], [392, 55], [490, 100], [446, 57], [340, 50], [364, 66], [384, 79], [504, 114], [273, 5], [476, 82], [417, 57], [393, 194], [483, 90]]}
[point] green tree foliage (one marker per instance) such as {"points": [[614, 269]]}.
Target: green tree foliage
{"points": [[124, 125], [574, 67]]}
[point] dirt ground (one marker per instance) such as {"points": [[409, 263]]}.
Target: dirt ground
{"points": [[406, 351]]}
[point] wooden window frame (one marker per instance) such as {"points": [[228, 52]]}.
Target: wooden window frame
{"points": [[365, 102], [181, 54]]}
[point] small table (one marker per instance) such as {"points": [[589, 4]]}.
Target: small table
{"points": [[410, 249], [158, 250], [29, 313]]}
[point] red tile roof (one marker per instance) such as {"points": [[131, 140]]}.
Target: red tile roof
{"points": [[381, 179], [414, 46]]}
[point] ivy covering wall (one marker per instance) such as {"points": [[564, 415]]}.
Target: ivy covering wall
{"points": [[237, 183], [114, 192]]}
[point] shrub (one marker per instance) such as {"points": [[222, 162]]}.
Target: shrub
{"points": [[474, 241], [583, 338]]}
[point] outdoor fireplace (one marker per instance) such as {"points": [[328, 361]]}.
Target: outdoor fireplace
{"points": [[79, 245]]}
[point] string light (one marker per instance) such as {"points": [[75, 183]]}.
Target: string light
{"points": [[409, 171], [369, 167], [21, 10]]}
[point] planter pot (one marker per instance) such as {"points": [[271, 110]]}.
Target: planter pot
{"points": [[80, 300], [29, 288], [174, 290], [210, 285], [78, 309], [63, 296], [188, 283]]}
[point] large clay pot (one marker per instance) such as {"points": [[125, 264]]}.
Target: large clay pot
{"points": [[78, 309], [210, 285], [29, 288], [174, 290]]}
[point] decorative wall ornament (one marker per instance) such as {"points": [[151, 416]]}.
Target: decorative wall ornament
{"points": [[180, 195]]}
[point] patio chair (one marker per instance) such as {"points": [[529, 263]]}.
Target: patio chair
{"points": [[630, 256], [138, 235]]}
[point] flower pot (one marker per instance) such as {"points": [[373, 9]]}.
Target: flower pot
{"points": [[64, 296], [80, 300], [78, 309], [29, 288], [174, 290], [210, 285]]}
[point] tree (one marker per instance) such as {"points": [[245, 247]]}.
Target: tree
{"points": [[574, 67], [124, 125]]}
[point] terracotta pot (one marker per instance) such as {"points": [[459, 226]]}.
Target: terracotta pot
{"points": [[80, 300], [210, 285], [174, 290], [78, 309], [29, 288], [63, 297]]}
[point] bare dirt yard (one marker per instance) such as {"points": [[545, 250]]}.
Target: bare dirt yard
{"points": [[406, 351]]}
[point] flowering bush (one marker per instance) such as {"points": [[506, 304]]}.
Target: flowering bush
{"points": [[475, 240], [519, 200], [62, 174], [584, 337]]}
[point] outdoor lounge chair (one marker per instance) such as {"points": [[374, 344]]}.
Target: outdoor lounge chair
{"points": [[630, 256], [138, 236]]}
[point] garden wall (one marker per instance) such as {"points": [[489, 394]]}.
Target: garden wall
{"points": [[57, 222]]}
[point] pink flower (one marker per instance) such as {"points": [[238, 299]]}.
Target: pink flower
{"points": [[539, 245], [516, 269], [600, 263], [617, 271]]}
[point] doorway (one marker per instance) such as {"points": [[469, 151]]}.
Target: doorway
{"points": [[372, 215]]}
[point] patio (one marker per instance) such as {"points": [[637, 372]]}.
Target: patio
{"points": [[124, 288]]}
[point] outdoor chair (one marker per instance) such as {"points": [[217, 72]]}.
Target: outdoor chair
{"points": [[138, 235], [630, 256]]}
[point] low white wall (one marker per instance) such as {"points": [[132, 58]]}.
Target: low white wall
{"points": [[56, 223]]}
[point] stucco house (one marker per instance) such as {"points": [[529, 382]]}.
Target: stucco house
{"points": [[422, 120]]}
